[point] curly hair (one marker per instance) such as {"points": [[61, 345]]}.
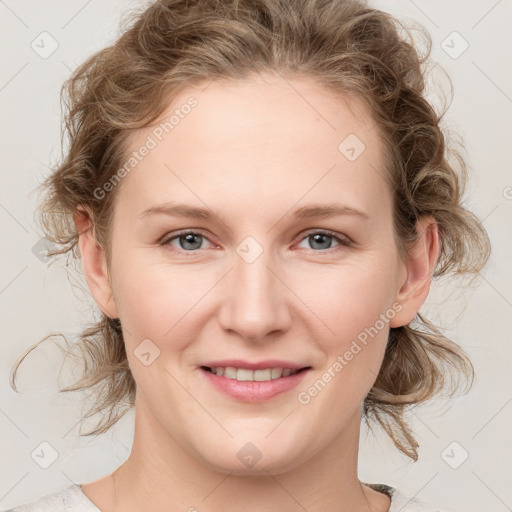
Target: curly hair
{"points": [[350, 49]]}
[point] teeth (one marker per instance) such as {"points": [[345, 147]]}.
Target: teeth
{"points": [[243, 374], [276, 373], [262, 375], [229, 372]]}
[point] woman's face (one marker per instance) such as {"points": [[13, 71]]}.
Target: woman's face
{"points": [[246, 169]]}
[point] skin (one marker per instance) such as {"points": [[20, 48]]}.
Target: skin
{"points": [[253, 152]]}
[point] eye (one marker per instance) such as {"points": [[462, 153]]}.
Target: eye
{"points": [[321, 240], [192, 241], [188, 241]]}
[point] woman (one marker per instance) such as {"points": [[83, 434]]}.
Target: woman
{"points": [[259, 195]]}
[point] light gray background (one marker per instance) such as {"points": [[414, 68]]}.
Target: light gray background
{"points": [[36, 300]]}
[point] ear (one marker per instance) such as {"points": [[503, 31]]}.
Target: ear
{"points": [[94, 263], [420, 264]]}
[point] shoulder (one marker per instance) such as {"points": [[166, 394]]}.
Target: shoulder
{"points": [[70, 499], [400, 502]]}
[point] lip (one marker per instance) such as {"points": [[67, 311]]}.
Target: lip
{"points": [[260, 365], [254, 391]]}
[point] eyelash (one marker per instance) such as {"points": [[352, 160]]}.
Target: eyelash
{"points": [[343, 241]]}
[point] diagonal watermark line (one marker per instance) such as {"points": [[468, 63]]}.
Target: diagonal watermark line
{"points": [[208, 84], [199, 403], [217, 486], [14, 76], [122, 445], [378, 173], [491, 212], [492, 81], [425, 424], [12, 280], [213, 213], [424, 13], [306, 100], [10, 490], [68, 68], [3, 3], [72, 428], [76, 14], [286, 491], [508, 508], [14, 218], [13, 423], [486, 14], [301, 300], [416, 494], [198, 301], [286, 417], [495, 289], [300, 199], [485, 425], [67, 476]]}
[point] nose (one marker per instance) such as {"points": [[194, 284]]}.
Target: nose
{"points": [[255, 303]]}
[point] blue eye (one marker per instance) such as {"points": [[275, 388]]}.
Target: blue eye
{"points": [[319, 239], [189, 241], [192, 241]]}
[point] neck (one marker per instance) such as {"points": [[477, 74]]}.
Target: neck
{"points": [[161, 475]]}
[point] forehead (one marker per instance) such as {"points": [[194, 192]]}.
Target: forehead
{"points": [[258, 141]]}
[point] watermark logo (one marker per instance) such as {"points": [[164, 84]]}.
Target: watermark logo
{"points": [[42, 248], [454, 455], [249, 249], [249, 455], [351, 147], [454, 45], [44, 455], [146, 352], [45, 45]]}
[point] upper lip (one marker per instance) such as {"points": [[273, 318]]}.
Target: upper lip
{"points": [[259, 365]]}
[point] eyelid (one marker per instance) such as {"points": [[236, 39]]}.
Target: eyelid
{"points": [[342, 239], [166, 239]]}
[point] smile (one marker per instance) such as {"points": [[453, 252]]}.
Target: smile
{"points": [[244, 374], [246, 385]]}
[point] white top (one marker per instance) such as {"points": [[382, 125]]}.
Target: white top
{"points": [[72, 499]]}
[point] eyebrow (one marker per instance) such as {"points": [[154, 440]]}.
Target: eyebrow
{"points": [[305, 212]]}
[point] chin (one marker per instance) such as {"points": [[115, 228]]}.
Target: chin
{"points": [[251, 460]]}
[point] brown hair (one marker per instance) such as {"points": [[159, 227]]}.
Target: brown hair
{"points": [[350, 49]]}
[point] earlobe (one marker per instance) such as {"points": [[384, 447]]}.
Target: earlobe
{"points": [[420, 265], [94, 264]]}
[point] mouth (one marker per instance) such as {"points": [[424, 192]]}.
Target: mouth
{"points": [[253, 385], [248, 375]]}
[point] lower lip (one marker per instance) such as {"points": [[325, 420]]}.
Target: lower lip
{"points": [[251, 391]]}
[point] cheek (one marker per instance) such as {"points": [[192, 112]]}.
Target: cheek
{"points": [[350, 300], [155, 301], [357, 306], [162, 302], [167, 304]]}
